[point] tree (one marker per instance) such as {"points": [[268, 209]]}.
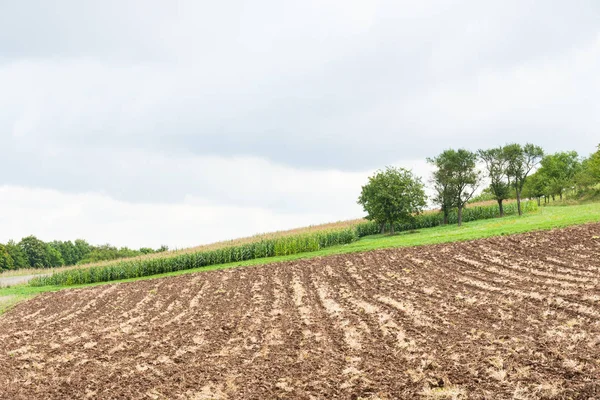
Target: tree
{"points": [[455, 179], [495, 164], [588, 174], [594, 165], [560, 170], [444, 196], [521, 160], [17, 255], [55, 259], [6, 261], [82, 249], [391, 196], [36, 252], [584, 178], [536, 186], [67, 251]]}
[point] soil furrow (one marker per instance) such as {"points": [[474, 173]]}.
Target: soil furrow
{"points": [[513, 317]]}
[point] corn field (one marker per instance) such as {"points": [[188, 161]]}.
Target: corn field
{"points": [[263, 248]]}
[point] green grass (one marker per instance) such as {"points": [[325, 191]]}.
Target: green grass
{"points": [[543, 219]]}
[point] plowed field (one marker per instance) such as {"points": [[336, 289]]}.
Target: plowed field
{"points": [[502, 318]]}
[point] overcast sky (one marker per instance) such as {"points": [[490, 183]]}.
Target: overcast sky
{"points": [[143, 123]]}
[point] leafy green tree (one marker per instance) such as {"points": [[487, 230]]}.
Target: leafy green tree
{"points": [[536, 186], [458, 178], [521, 162], [496, 163], [82, 249], [6, 261], [107, 252], [55, 259], [67, 251], [392, 196], [584, 178], [484, 195], [594, 165], [17, 255], [36, 252], [442, 184], [560, 170]]}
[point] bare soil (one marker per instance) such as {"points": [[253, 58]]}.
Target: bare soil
{"points": [[515, 317]]}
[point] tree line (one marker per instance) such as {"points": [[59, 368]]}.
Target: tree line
{"points": [[32, 252], [514, 171]]}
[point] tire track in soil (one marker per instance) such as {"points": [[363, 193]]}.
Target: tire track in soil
{"points": [[321, 346], [566, 290], [475, 281], [499, 257], [507, 278], [350, 334], [387, 339], [435, 336]]}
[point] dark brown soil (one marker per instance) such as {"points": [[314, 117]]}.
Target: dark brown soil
{"points": [[515, 317]]}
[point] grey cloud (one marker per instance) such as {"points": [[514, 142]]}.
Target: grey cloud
{"points": [[348, 86]]}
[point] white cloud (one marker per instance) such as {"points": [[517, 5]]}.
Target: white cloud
{"points": [[51, 215]]}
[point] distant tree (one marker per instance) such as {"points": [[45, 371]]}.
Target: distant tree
{"points": [[125, 252], [146, 250], [594, 165], [101, 253], [496, 163], [588, 174], [483, 196], [82, 249], [107, 252], [55, 259], [162, 248], [584, 178], [6, 261], [67, 251], [560, 170], [442, 184], [17, 255], [391, 196], [536, 187], [457, 175], [36, 252], [521, 162]]}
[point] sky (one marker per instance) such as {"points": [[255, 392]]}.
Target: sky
{"points": [[142, 123]]}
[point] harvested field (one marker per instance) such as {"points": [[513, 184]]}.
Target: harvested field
{"points": [[514, 317]]}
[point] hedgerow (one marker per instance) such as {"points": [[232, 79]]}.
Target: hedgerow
{"points": [[429, 220]]}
